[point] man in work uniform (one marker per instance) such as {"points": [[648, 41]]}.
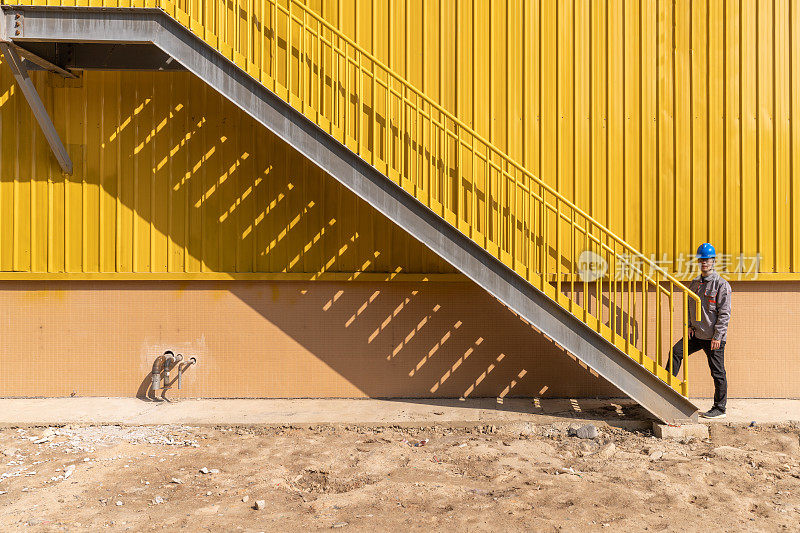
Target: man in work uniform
{"points": [[708, 332]]}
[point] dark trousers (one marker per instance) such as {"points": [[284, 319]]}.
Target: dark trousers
{"points": [[716, 362]]}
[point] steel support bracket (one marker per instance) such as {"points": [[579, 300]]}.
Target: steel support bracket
{"points": [[27, 87], [43, 63]]}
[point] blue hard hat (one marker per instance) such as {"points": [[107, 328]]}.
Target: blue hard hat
{"points": [[706, 251]]}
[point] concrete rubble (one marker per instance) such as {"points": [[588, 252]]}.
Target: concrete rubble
{"points": [[683, 431], [587, 431]]}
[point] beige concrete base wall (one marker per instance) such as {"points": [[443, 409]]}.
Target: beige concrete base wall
{"points": [[335, 339]]}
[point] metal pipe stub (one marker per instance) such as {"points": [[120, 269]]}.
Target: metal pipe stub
{"points": [[182, 368]]}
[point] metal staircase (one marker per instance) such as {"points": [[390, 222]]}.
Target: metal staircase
{"points": [[404, 154]]}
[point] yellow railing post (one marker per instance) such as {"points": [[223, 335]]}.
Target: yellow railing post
{"points": [[274, 59], [659, 326], [301, 59], [289, 54], [685, 341], [671, 329], [645, 315]]}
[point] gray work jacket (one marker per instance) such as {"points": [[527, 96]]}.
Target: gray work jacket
{"points": [[715, 307]]}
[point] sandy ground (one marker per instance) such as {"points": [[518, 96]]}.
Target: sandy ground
{"points": [[362, 411], [514, 476]]}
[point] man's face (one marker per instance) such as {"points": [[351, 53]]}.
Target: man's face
{"points": [[706, 265]]}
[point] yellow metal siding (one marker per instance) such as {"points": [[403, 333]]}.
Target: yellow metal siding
{"points": [[672, 122], [171, 178]]}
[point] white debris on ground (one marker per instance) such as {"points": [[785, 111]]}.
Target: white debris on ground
{"points": [[78, 439], [72, 439]]}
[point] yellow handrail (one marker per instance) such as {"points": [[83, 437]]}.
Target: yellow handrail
{"points": [[498, 203], [462, 125]]}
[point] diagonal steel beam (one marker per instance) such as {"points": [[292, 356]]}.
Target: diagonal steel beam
{"points": [[43, 63], [25, 83]]}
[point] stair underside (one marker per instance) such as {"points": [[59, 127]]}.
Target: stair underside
{"points": [[152, 26]]}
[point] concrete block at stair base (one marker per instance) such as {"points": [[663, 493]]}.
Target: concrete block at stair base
{"points": [[665, 431]]}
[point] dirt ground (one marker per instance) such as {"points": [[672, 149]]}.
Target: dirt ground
{"points": [[515, 476]]}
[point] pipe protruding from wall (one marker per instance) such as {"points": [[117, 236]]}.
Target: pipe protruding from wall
{"points": [[169, 362], [162, 365], [178, 359], [182, 368], [158, 367]]}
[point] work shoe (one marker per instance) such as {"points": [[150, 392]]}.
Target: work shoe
{"points": [[715, 412]]}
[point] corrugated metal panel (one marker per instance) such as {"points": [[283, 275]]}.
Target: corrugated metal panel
{"points": [[169, 177], [672, 122]]}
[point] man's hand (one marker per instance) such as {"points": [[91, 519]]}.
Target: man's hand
{"points": [[715, 344]]}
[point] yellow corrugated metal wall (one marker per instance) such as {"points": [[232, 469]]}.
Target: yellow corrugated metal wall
{"points": [[673, 122], [169, 177]]}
